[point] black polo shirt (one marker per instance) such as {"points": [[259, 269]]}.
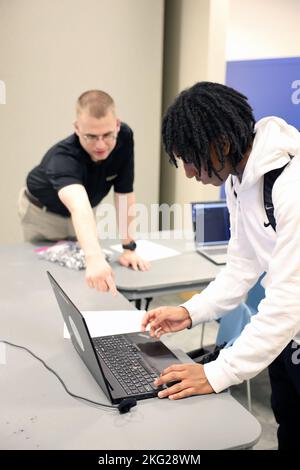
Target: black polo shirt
{"points": [[68, 163]]}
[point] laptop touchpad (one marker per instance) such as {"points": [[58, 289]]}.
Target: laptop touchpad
{"points": [[157, 354]]}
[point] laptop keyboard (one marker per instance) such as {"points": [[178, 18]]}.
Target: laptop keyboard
{"points": [[126, 363]]}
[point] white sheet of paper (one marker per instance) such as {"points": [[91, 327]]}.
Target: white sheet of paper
{"points": [[111, 322], [150, 251]]}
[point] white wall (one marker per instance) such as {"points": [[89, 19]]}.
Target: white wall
{"points": [[201, 35], [263, 29], [51, 51], [195, 38]]}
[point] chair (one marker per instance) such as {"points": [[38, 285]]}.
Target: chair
{"points": [[230, 328], [232, 324], [255, 295]]}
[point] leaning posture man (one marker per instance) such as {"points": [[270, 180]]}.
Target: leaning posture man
{"points": [[63, 191]]}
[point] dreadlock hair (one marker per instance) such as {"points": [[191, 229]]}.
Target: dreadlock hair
{"points": [[205, 115]]}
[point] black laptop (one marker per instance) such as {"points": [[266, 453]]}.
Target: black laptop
{"points": [[124, 365], [211, 226]]}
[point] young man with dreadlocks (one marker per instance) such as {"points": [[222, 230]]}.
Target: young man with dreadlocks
{"points": [[211, 129]]}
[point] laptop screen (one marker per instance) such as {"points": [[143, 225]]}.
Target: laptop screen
{"points": [[211, 222]]}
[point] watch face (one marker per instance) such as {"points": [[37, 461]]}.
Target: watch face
{"points": [[130, 246]]}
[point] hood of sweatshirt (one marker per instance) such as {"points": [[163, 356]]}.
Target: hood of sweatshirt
{"points": [[274, 142]]}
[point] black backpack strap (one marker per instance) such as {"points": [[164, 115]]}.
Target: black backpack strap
{"points": [[269, 180]]}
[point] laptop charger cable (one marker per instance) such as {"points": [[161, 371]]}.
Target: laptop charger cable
{"points": [[123, 407]]}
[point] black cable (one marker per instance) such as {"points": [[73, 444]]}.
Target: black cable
{"points": [[123, 407]]}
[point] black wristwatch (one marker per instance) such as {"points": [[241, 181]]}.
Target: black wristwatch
{"points": [[129, 246]]}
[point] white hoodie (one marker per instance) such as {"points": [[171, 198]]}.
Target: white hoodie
{"points": [[254, 249]]}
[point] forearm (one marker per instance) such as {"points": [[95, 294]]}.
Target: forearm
{"points": [[98, 273], [86, 231], [125, 212], [75, 198]]}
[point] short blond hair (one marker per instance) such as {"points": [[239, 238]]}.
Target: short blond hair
{"points": [[95, 102]]}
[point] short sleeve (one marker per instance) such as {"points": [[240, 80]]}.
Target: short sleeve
{"points": [[63, 170]]}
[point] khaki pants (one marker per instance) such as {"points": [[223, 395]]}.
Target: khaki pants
{"points": [[38, 224]]}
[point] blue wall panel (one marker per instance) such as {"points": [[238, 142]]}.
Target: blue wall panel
{"points": [[271, 85]]}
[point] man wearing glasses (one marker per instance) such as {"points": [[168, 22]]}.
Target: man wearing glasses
{"points": [[63, 191]]}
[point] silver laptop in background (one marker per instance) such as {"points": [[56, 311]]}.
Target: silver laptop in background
{"points": [[212, 229]]}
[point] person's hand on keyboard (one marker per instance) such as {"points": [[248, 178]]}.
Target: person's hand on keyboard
{"points": [[190, 380], [166, 320]]}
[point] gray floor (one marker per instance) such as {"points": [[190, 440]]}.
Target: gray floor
{"points": [[260, 387]]}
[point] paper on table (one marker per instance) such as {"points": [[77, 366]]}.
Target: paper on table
{"points": [[150, 251], [111, 322]]}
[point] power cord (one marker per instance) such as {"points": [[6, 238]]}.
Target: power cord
{"points": [[124, 406]]}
